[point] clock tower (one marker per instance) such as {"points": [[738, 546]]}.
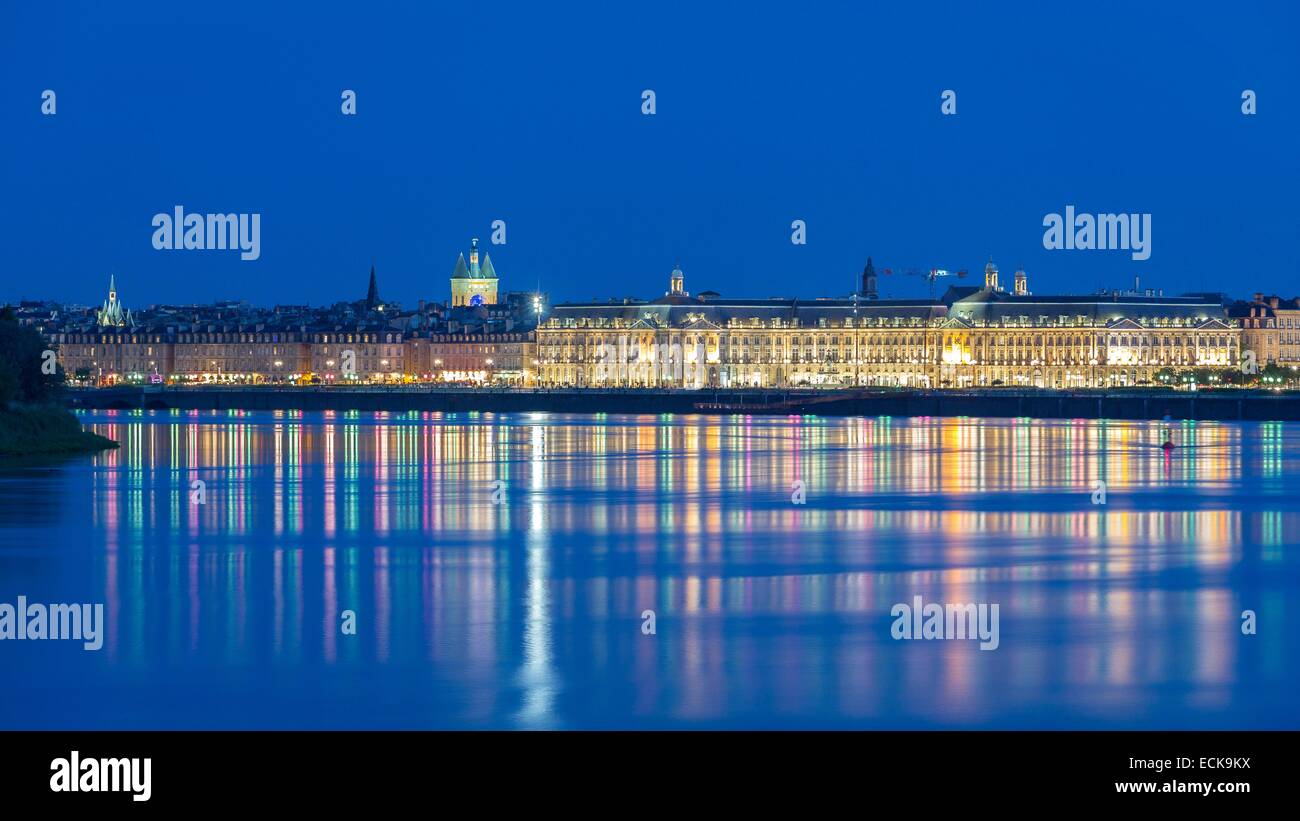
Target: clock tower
{"points": [[474, 284]]}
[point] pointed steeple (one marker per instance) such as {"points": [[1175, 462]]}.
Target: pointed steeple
{"points": [[112, 314], [869, 280], [461, 272], [488, 272], [372, 293]]}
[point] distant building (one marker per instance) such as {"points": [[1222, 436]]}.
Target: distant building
{"points": [[110, 355], [969, 337], [357, 354], [373, 302], [475, 284], [1270, 328], [112, 314], [239, 354], [527, 307], [474, 357], [869, 281]]}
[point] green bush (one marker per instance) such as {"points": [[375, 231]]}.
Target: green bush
{"points": [[40, 429]]}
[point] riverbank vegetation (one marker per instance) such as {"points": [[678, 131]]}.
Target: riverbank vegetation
{"points": [[32, 420]]}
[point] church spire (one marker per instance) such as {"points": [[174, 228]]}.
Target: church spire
{"points": [[869, 280], [372, 293], [112, 314]]}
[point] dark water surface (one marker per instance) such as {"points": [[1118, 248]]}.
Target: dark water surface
{"points": [[520, 604]]}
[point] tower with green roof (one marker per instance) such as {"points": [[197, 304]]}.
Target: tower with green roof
{"points": [[473, 284], [112, 314]]}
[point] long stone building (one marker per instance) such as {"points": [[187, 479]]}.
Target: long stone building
{"points": [[969, 337], [251, 356], [476, 344]]}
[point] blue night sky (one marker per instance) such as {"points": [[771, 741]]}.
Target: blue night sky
{"points": [[825, 112]]}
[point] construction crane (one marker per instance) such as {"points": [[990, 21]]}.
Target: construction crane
{"points": [[930, 275], [933, 274]]}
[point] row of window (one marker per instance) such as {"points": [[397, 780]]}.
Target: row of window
{"points": [[1022, 321]]}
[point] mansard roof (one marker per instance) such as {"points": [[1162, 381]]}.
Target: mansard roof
{"points": [[1100, 309], [960, 307], [676, 310]]}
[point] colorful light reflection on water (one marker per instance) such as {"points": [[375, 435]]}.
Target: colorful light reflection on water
{"points": [[527, 612]]}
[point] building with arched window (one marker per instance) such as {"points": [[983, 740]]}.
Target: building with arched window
{"points": [[969, 337]]}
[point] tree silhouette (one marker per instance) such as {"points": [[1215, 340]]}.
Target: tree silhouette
{"points": [[21, 350]]}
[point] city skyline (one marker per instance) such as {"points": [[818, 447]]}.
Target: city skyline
{"points": [[980, 335]]}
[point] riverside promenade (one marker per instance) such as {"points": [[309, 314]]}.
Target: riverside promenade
{"points": [[1046, 404]]}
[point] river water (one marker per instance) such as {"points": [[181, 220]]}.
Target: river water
{"points": [[504, 571]]}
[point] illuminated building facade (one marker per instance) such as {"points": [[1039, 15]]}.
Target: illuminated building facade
{"points": [[507, 359], [311, 356], [363, 355], [112, 314], [245, 355], [114, 355], [970, 337], [1270, 327], [370, 341], [474, 284]]}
